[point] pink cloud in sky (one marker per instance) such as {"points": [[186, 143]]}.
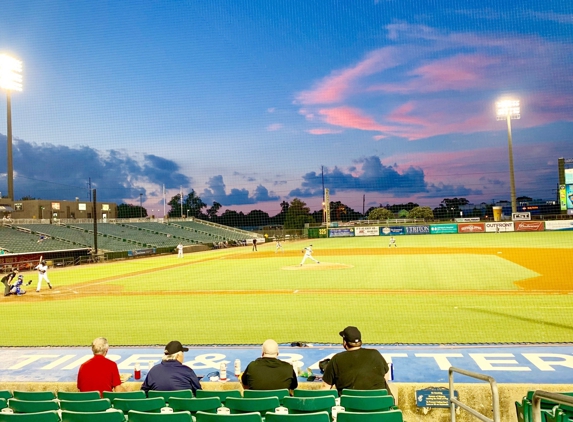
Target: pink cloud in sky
{"points": [[335, 87], [323, 131], [352, 118], [274, 127]]}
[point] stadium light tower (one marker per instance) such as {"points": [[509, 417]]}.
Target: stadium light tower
{"points": [[508, 110], [10, 80]]}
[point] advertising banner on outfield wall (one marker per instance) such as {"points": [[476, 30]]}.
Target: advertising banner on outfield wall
{"points": [[529, 226], [443, 228], [367, 231], [559, 225], [468, 220], [341, 232], [502, 226], [417, 229], [392, 231], [471, 228]]}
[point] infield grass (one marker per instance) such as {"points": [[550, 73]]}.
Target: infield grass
{"points": [[431, 289]]}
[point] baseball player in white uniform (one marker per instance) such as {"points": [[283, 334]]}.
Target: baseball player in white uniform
{"points": [[279, 246], [180, 250], [42, 275], [308, 254], [392, 242]]}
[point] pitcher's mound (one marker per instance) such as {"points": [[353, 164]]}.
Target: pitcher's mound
{"points": [[321, 266]]}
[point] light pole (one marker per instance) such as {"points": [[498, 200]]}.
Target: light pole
{"points": [[10, 80], [508, 110], [140, 205]]}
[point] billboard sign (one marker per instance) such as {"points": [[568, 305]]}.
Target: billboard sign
{"points": [[367, 231], [529, 226], [417, 229], [569, 176], [563, 197], [341, 232], [391, 231], [569, 193], [468, 220], [504, 226], [443, 228], [559, 225], [471, 228], [521, 216]]}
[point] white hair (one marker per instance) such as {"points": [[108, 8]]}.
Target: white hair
{"points": [[174, 356], [100, 346]]}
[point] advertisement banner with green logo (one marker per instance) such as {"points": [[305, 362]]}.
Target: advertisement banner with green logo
{"points": [[443, 228], [563, 197]]}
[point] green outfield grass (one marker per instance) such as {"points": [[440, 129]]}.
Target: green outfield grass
{"points": [[431, 289]]}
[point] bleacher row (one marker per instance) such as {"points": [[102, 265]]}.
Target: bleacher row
{"points": [[550, 411], [116, 237], [207, 406]]}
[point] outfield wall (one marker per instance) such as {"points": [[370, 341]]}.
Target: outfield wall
{"points": [[449, 228]]}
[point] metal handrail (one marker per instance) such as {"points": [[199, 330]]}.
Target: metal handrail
{"points": [[494, 395], [555, 397]]}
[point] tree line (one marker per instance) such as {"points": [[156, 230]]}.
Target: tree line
{"points": [[295, 214]]}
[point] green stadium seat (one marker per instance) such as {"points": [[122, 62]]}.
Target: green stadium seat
{"points": [[367, 403], [185, 394], [3, 403], [99, 405], [309, 404], [243, 417], [351, 392], [223, 395], [33, 395], [246, 405], [141, 405], [32, 406], [314, 393], [280, 394], [50, 416], [139, 394], [389, 416], [78, 395], [108, 416], [302, 417], [207, 404], [5, 394], [135, 416]]}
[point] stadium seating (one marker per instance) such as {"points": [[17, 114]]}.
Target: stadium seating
{"points": [[3, 403], [309, 404], [549, 409], [5, 394], [243, 417], [77, 395], [303, 417], [367, 403], [141, 405], [207, 404], [135, 416], [33, 395], [50, 416], [109, 416], [351, 392], [124, 395], [185, 394], [388, 416], [280, 394], [249, 405], [314, 393], [222, 395], [98, 405], [32, 406]]}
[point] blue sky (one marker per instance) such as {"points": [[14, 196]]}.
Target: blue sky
{"points": [[246, 101]]}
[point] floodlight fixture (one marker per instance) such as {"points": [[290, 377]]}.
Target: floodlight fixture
{"points": [[10, 80], [10, 73], [509, 109]]}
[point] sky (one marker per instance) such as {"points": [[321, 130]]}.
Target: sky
{"points": [[254, 102]]}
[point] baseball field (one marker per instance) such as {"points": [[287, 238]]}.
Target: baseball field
{"points": [[466, 288]]}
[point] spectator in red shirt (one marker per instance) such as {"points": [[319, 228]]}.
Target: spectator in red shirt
{"points": [[99, 373]]}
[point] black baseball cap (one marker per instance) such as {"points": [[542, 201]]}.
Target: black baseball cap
{"points": [[351, 335], [174, 347]]}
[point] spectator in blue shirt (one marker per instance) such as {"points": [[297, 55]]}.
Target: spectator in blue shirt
{"points": [[171, 374]]}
